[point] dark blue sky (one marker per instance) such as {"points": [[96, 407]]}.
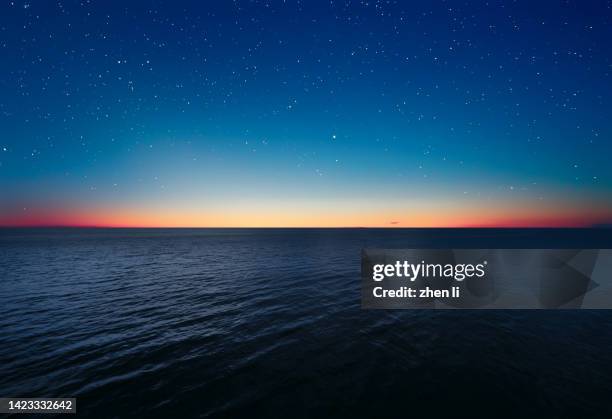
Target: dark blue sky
{"points": [[305, 113]]}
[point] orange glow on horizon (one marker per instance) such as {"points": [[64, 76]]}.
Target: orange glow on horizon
{"points": [[434, 217]]}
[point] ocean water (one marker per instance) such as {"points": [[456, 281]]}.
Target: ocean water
{"points": [[267, 323]]}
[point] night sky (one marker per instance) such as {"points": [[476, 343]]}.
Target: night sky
{"points": [[116, 113]]}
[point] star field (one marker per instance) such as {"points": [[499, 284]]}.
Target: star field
{"points": [[282, 113]]}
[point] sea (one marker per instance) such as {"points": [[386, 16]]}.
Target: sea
{"points": [[249, 323]]}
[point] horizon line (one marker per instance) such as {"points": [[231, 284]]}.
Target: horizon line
{"points": [[483, 227]]}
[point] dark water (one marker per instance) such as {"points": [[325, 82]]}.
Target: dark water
{"points": [[267, 323]]}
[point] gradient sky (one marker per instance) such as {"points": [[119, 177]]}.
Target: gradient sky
{"points": [[439, 113]]}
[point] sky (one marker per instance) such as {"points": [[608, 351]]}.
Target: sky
{"points": [[305, 114]]}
